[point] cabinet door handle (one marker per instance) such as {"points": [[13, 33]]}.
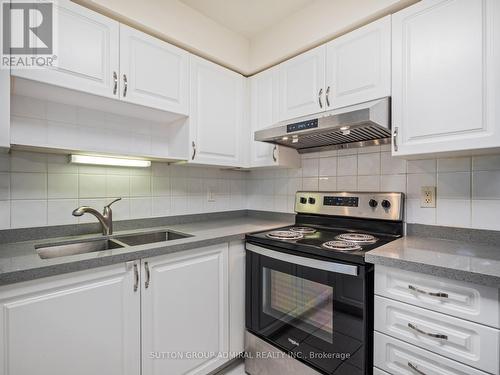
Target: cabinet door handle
{"points": [[274, 153], [395, 139], [115, 83], [319, 98], [194, 150], [327, 96], [136, 277], [433, 294], [148, 275], [415, 368], [125, 85], [433, 335]]}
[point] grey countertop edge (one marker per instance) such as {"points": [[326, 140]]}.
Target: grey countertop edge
{"points": [[143, 251], [450, 273]]}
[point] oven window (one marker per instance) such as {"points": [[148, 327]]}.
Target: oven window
{"points": [[302, 303]]}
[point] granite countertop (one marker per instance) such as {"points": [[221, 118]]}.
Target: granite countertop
{"points": [[20, 262], [459, 260]]}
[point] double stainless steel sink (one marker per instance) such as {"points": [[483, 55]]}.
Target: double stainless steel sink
{"points": [[61, 249]]}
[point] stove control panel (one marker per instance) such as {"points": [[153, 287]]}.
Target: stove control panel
{"points": [[385, 206]]}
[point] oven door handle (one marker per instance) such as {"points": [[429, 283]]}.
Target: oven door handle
{"points": [[346, 269]]}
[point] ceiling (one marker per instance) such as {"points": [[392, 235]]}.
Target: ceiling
{"points": [[247, 17]]}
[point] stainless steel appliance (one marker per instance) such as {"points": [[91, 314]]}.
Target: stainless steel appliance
{"points": [[309, 292], [355, 126]]}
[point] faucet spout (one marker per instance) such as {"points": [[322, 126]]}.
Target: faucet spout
{"points": [[105, 219]]}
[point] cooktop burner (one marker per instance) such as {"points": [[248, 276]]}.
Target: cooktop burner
{"points": [[359, 238], [303, 230], [284, 235], [341, 246]]}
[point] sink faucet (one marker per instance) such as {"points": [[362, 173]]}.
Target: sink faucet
{"points": [[106, 218]]}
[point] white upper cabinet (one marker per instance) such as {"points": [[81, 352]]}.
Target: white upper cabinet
{"points": [[80, 323], [358, 65], [264, 112], [216, 114], [87, 52], [446, 77], [185, 310], [153, 73], [302, 84]]}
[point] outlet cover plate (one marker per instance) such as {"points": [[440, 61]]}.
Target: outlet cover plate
{"points": [[428, 197]]}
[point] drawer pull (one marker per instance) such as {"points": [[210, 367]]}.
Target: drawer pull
{"points": [[433, 335], [437, 294], [415, 368]]}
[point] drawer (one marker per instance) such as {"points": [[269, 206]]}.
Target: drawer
{"points": [[476, 303], [398, 357], [377, 371], [467, 342]]}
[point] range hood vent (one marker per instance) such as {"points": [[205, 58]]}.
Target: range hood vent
{"points": [[355, 126]]}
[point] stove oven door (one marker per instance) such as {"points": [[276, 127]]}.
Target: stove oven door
{"points": [[313, 309]]}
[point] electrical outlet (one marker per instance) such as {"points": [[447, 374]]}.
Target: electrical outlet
{"points": [[428, 197], [210, 196]]}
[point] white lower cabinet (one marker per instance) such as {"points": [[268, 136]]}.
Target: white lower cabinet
{"points": [[237, 256], [460, 340], [185, 311], [398, 357], [79, 324]]}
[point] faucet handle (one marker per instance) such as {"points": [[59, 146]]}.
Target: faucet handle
{"points": [[109, 204]]}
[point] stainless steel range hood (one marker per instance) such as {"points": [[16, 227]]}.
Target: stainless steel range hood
{"points": [[355, 126]]}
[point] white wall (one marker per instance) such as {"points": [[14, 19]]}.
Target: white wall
{"points": [[322, 21], [468, 189], [181, 25]]}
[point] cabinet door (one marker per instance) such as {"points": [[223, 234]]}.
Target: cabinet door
{"points": [[216, 121], [83, 323], [446, 81], [155, 72], [302, 84], [358, 65], [185, 310], [87, 52], [263, 114], [237, 255]]}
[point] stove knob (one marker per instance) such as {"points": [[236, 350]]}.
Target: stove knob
{"points": [[373, 203], [303, 200], [312, 201], [386, 204]]}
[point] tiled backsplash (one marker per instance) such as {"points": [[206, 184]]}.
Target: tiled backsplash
{"points": [[468, 188], [41, 189]]}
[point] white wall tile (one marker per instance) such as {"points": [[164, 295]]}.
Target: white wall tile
{"points": [[395, 183], [347, 165], [140, 208], [347, 183], [60, 164], [486, 163], [310, 184], [28, 213], [161, 186], [4, 162], [486, 185], [121, 209], [294, 185], [454, 212], [280, 203], [369, 164], [28, 162], [140, 186], [97, 203], [368, 183], [310, 167], [454, 185], [454, 165], [179, 186], [368, 149], [390, 165], [328, 166], [180, 205], [62, 186], [416, 181], [4, 186], [117, 186], [281, 186], [4, 214], [328, 183], [59, 211], [28, 185], [92, 186], [416, 214], [422, 166], [485, 214]]}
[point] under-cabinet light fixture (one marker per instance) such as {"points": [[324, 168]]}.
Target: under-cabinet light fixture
{"points": [[103, 160]]}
